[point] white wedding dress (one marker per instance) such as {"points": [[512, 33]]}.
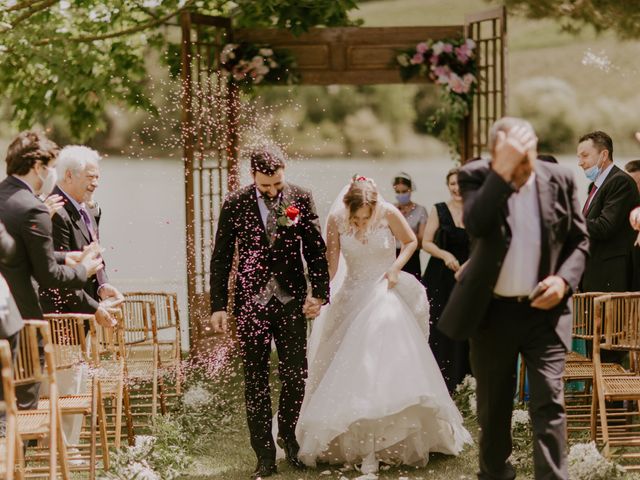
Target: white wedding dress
{"points": [[374, 387]]}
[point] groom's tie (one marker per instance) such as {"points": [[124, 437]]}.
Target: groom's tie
{"points": [[272, 220]]}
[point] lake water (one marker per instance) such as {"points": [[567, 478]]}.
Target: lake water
{"points": [[142, 200]]}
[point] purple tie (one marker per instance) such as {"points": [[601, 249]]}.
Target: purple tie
{"points": [[100, 275]]}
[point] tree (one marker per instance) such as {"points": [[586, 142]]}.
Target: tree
{"points": [[621, 16], [70, 58]]}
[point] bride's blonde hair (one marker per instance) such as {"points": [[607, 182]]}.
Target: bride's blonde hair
{"points": [[361, 193]]}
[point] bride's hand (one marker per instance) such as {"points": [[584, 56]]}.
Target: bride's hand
{"points": [[392, 277]]}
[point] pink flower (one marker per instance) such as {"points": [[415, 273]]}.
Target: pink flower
{"points": [[422, 47], [457, 85], [417, 59], [463, 53], [470, 43], [468, 79], [441, 74], [434, 59], [447, 48]]}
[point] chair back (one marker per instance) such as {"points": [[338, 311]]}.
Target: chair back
{"points": [[34, 337], [166, 305], [583, 314], [139, 321], [68, 334], [617, 322]]}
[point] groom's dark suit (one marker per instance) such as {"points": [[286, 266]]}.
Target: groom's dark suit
{"points": [[499, 329], [260, 259]]}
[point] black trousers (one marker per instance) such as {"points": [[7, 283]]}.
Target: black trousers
{"points": [[510, 329], [257, 326]]}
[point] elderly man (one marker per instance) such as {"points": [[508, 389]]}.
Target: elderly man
{"points": [[529, 246], [74, 228]]}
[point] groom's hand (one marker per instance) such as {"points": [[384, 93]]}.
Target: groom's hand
{"points": [[311, 307], [219, 321]]}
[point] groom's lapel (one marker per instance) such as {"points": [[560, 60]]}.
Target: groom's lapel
{"points": [[257, 218], [286, 200]]}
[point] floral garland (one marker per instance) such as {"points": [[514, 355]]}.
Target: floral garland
{"points": [[452, 65], [248, 65]]}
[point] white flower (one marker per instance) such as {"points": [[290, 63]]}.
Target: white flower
{"points": [[519, 417], [586, 463], [100, 14], [64, 5], [151, 3], [265, 52], [196, 397], [403, 60]]}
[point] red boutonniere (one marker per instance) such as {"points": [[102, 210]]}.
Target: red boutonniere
{"points": [[288, 215]]}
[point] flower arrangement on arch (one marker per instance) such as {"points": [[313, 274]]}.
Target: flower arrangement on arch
{"points": [[248, 65], [452, 65]]}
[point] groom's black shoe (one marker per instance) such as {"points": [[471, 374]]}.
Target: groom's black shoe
{"points": [[291, 449], [264, 469]]}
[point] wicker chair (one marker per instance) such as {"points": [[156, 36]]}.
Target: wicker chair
{"points": [[617, 324], [11, 460], [142, 362], [70, 350], [579, 369], [42, 423], [168, 322]]}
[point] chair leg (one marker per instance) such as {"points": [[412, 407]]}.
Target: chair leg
{"points": [[62, 448], [104, 442], [128, 415], [521, 383], [118, 416], [594, 413], [604, 423], [94, 415]]}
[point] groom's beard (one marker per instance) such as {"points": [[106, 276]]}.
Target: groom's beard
{"points": [[265, 193]]}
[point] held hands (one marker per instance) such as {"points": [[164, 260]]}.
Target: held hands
{"points": [[108, 291], [219, 322], [450, 261], [54, 203], [311, 307], [554, 289], [392, 277], [89, 258]]}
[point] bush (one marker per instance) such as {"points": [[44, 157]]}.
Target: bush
{"points": [[551, 105], [365, 134]]}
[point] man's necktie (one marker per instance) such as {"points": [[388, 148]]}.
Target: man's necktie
{"points": [[272, 220], [592, 192], [93, 236]]}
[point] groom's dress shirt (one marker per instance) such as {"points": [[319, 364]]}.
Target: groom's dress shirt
{"points": [[519, 272], [272, 288]]}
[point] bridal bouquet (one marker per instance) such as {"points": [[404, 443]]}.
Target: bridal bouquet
{"points": [[248, 65], [452, 65]]}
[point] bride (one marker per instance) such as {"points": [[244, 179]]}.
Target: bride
{"points": [[374, 391]]}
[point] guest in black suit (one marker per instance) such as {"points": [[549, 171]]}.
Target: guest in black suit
{"points": [[527, 234], [612, 196], [31, 161], [272, 224], [75, 228]]}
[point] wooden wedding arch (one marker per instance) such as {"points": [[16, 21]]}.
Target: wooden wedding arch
{"points": [[324, 56]]}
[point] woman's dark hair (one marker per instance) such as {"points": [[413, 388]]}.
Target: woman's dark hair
{"points": [[267, 160], [28, 148], [403, 179], [451, 173]]}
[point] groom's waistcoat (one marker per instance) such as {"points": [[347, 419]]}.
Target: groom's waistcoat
{"points": [[240, 227]]}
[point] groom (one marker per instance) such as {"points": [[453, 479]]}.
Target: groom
{"points": [[529, 246], [272, 224]]}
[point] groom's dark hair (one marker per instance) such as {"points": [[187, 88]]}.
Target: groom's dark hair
{"points": [[267, 160]]}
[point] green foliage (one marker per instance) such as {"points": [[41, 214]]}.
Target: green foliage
{"points": [[623, 17], [70, 59]]}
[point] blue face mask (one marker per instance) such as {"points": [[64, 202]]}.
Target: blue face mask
{"points": [[592, 173], [403, 198]]}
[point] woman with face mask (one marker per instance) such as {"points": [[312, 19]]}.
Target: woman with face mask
{"points": [[446, 240], [415, 214]]}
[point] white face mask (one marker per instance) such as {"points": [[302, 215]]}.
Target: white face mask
{"points": [[48, 182]]}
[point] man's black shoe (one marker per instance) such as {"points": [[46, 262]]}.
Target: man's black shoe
{"points": [[264, 469], [291, 453]]}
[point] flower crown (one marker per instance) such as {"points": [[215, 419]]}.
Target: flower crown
{"points": [[360, 178]]}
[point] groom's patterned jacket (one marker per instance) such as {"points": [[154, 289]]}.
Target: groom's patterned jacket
{"points": [[240, 226]]}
